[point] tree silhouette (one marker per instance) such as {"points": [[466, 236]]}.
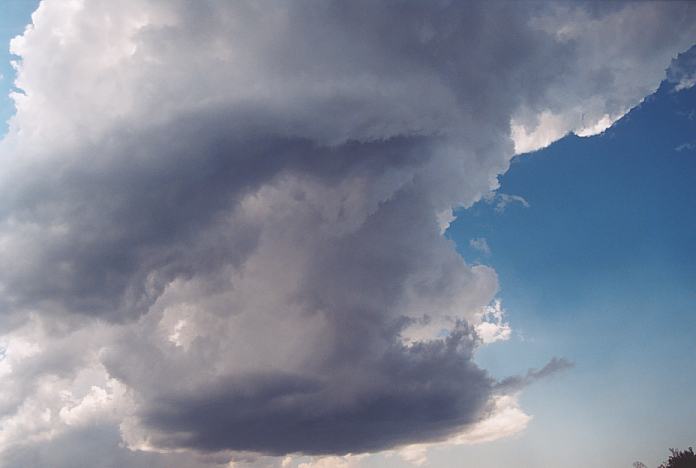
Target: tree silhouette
{"points": [[681, 459]]}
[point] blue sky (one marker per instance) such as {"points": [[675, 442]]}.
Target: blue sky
{"points": [[593, 240], [599, 268], [15, 15]]}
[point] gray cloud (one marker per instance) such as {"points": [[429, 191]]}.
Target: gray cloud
{"points": [[682, 71], [516, 383], [419, 393], [96, 447], [218, 221]]}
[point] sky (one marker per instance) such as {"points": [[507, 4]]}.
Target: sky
{"points": [[15, 16], [346, 234], [597, 265]]}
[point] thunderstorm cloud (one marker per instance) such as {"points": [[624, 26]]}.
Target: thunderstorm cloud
{"points": [[220, 222]]}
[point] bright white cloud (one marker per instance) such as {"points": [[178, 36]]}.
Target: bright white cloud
{"points": [[490, 323]]}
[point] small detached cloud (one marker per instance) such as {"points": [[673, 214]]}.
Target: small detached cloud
{"points": [[686, 147], [480, 244], [502, 200]]}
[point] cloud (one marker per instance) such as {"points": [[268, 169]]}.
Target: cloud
{"points": [[502, 200], [219, 222], [491, 325], [480, 244], [685, 147], [608, 75], [516, 383], [505, 418], [347, 461], [682, 71]]}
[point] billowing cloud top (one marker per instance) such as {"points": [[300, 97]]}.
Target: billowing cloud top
{"points": [[219, 221]]}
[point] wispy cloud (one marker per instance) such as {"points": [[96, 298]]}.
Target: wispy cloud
{"points": [[480, 244], [503, 200], [516, 383], [686, 147]]}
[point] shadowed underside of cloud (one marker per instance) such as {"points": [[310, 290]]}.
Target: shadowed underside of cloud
{"points": [[427, 391], [219, 220]]}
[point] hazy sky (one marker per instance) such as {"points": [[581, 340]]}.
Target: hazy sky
{"points": [[330, 234]]}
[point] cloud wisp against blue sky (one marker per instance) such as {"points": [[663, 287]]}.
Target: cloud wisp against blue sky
{"points": [[303, 234]]}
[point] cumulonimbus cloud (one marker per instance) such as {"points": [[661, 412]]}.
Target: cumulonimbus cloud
{"points": [[219, 220]]}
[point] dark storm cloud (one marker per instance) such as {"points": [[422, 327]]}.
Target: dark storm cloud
{"points": [[151, 208], [133, 205], [426, 392], [219, 221], [360, 390]]}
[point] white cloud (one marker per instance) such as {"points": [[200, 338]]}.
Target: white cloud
{"points": [[490, 323], [547, 129], [444, 219], [686, 83], [346, 461], [502, 200], [480, 244], [686, 147]]}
